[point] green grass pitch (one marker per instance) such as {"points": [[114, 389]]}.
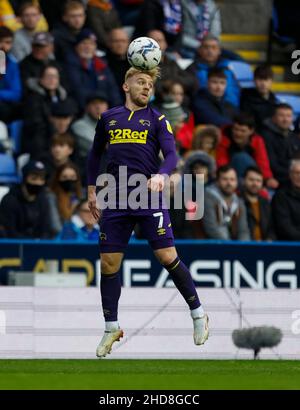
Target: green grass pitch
{"points": [[149, 374]]}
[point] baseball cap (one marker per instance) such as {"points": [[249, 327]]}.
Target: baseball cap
{"points": [[42, 38], [85, 34], [33, 167]]}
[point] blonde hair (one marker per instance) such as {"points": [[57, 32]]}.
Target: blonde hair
{"points": [[154, 73]]}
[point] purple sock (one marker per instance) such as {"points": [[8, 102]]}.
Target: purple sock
{"points": [[182, 279], [110, 288]]}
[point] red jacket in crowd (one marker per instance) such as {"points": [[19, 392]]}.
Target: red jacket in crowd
{"points": [[256, 148]]}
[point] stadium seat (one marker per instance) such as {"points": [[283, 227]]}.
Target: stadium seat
{"points": [[243, 73], [292, 100], [8, 170], [15, 132]]}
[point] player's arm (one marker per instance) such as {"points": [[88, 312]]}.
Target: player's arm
{"points": [[93, 166], [167, 145]]}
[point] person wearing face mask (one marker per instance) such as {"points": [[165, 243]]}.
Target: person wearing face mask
{"points": [[66, 185], [25, 209]]}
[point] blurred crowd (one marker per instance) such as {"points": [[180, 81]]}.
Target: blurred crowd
{"points": [[65, 64]]}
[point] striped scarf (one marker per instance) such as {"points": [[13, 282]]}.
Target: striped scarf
{"points": [[173, 16]]}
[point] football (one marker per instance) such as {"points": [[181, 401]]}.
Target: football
{"points": [[144, 53]]}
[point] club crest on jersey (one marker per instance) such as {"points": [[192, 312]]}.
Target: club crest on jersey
{"points": [[145, 122], [112, 123]]}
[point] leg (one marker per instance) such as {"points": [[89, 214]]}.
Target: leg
{"points": [[115, 233], [183, 281], [181, 277], [157, 229], [110, 287]]}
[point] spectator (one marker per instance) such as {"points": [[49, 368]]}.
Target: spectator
{"points": [[225, 214], [176, 117], [282, 143], [61, 150], [181, 226], [116, 55], [102, 17], [199, 18], [202, 168], [10, 83], [30, 15], [200, 163], [66, 185], [288, 13], [206, 139], [259, 213], [65, 33], [241, 147], [170, 70], [53, 11], [62, 114], [40, 57], [8, 10], [170, 102], [38, 128], [84, 128], [210, 106], [129, 11], [88, 73], [86, 222], [184, 135], [260, 101], [184, 23], [286, 206], [208, 57], [25, 210]]}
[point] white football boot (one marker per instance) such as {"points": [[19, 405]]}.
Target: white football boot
{"points": [[201, 330], [107, 341]]}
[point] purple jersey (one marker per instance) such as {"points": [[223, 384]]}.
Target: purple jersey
{"points": [[134, 140]]}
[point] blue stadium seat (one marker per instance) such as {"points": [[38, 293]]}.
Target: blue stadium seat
{"points": [[292, 100], [243, 73], [8, 170], [15, 132]]}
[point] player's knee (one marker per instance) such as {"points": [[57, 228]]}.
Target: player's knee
{"points": [[109, 265], [166, 256]]}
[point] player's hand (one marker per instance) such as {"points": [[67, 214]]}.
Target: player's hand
{"points": [[156, 183], [92, 203]]}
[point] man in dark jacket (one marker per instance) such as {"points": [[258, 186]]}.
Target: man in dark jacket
{"points": [[116, 55], [25, 211], [43, 94], [260, 101], [171, 70], [88, 73], [65, 33], [259, 213], [282, 144], [40, 56], [286, 206], [210, 106]]}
